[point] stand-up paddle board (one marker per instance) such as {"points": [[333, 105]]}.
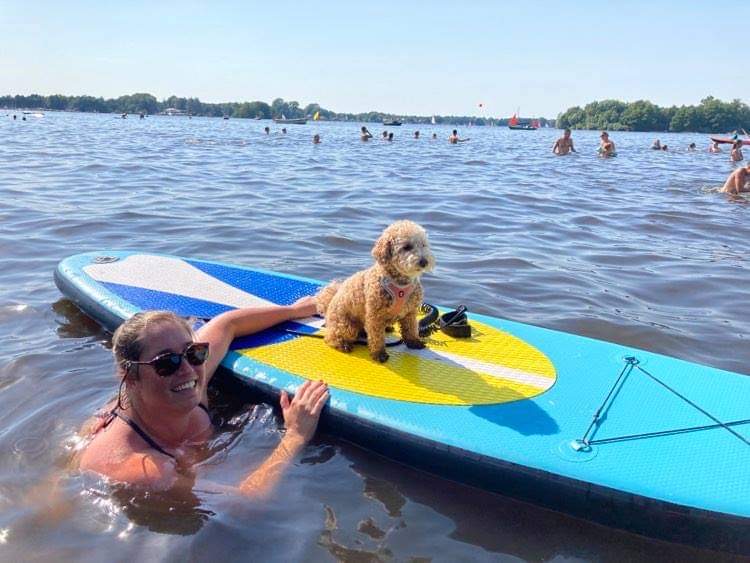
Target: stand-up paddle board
{"points": [[625, 437]]}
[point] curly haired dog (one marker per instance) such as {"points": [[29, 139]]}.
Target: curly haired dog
{"points": [[387, 292]]}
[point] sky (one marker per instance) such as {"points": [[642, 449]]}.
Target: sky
{"points": [[405, 57]]}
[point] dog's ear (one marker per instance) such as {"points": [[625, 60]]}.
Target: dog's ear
{"points": [[382, 250]]}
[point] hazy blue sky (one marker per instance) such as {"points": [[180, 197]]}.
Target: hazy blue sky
{"points": [[404, 57]]}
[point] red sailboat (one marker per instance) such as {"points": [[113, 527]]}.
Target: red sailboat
{"points": [[514, 123]]}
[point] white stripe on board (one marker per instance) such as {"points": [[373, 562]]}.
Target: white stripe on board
{"points": [[495, 370], [172, 275]]}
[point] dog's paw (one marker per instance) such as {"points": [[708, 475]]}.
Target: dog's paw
{"points": [[414, 344], [380, 356]]}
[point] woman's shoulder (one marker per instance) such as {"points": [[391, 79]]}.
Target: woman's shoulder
{"points": [[117, 455]]}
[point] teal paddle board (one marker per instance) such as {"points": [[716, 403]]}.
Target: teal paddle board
{"points": [[621, 436]]}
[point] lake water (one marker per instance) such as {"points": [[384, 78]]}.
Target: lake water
{"points": [[639, 250]]}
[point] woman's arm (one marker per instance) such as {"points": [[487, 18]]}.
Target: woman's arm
{"points": [[301, 415], [220, 331]]}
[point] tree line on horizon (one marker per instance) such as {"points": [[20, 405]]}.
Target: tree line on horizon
{"points": [[710, 116], [149, 105]]}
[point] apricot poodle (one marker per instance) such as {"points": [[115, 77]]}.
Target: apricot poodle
{"points": [[377, 297]]}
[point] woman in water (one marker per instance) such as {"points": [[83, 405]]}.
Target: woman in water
{"points": [[151, 435], [606, 147], [736, 155]]}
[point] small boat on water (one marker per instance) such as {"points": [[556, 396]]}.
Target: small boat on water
{"points": [[729, 140], [392, 123], [291, 121], [516, 125], [34, 113]]}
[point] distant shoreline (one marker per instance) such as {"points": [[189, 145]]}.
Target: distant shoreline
{"points": [[710, 116], [149, 105]]}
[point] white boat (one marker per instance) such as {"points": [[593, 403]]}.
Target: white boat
{"points": [[34, 113]]}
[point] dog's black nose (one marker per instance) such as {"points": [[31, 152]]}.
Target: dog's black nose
{"points": [[422, 262]]}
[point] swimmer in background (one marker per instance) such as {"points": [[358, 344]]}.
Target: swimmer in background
{"points": [[656, 145], [606, 147], [564, 144], [664, 147], [416, 134], [385, 135], [364, 134], [267, 130], [390, 136], [737, 155], [454, 139], [691, 147], [434, 136], [283, 130], [737, 181], [316, 139], [714, 147]]}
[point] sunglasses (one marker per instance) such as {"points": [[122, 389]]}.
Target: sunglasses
{"points": [[196, 354]]}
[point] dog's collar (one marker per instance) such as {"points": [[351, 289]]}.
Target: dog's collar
{"points": [[399, 293]]}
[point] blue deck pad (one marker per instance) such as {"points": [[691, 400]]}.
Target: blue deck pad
{"points": [[148, 299], [277, 289]]}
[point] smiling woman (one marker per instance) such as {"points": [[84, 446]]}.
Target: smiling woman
{"points": [[152, 433]]}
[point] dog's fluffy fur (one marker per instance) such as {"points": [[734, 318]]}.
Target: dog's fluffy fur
{"points": [[402, 253]]}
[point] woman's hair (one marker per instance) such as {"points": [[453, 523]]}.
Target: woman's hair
{"points": [[127, 341]]}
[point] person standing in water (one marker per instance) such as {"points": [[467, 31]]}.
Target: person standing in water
{"points": [[316, 139], [454, 139], [564, 144], [656, 145], [416, 134], [714, 147], [737, 155], [364, 134], [606, 147]]}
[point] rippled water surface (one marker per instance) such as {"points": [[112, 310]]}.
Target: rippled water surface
{"points": [[639, 250]]}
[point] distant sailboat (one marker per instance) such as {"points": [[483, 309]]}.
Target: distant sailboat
{"points": [[433, 120], [514, 123]]}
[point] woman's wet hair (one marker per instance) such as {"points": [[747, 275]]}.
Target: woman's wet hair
{"points": [[127, 341]]}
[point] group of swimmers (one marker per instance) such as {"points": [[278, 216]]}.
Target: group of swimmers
{"points": [[564, 145], [736, 183], [735, 156], [365, 135]]}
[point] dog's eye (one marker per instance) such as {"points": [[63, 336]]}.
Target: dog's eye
{"points": [[408, 247]]}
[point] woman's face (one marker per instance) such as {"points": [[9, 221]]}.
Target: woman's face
{"points": [[179, 392]]}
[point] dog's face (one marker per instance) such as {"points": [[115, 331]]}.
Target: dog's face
{"points": [[404, 247]]}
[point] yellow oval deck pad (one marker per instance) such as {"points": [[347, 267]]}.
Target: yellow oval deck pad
{"points": [[490, 367]]}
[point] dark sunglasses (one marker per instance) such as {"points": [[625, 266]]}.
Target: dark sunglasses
{"points": [[196, 354]]}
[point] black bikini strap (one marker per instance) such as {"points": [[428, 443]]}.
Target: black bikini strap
{"points": [[205, 409], [138, 430]]}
